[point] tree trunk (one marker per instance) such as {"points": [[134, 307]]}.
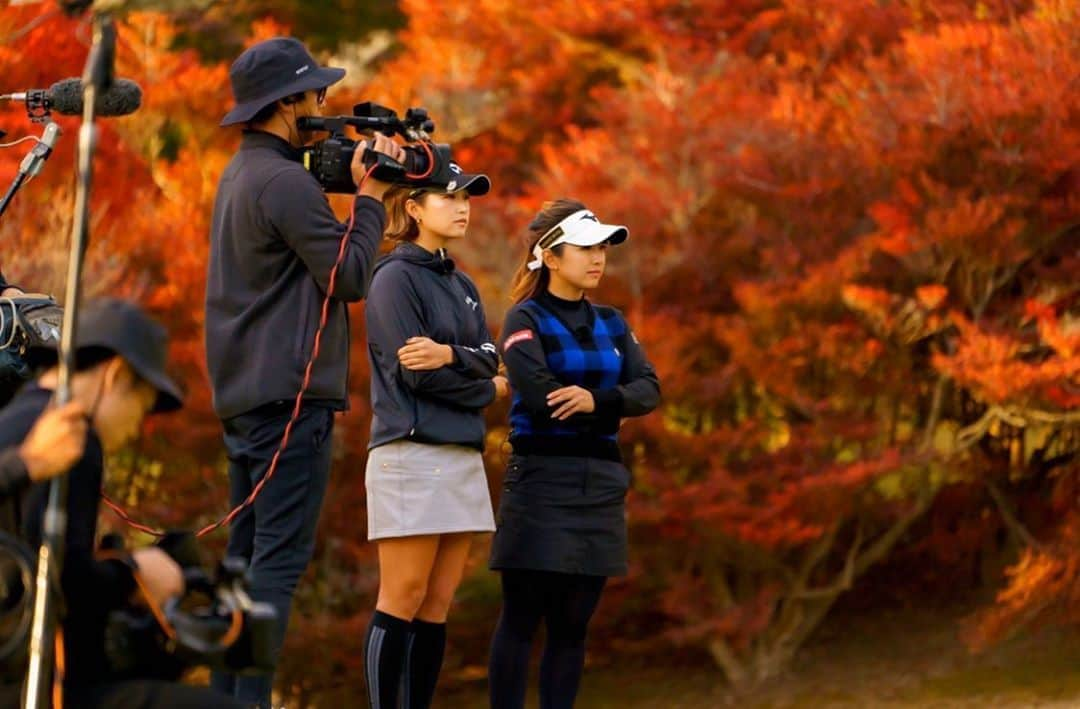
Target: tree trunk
{"points": [[801, 610]]}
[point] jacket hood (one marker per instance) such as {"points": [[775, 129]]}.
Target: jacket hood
{"points": [[440, 261]]}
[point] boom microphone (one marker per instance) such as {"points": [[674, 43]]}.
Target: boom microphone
{"points": [[78, 7], [66, 98]]}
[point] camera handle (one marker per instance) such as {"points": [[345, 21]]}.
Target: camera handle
{"points": [[382, 166]]}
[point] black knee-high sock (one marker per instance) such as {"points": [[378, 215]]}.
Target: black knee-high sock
{"points": [[384, 655], [571, 604], [424, 648], [508, 664]]}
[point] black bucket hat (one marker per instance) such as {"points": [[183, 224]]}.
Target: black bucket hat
{"points": [[125, 329], [270, 71]]}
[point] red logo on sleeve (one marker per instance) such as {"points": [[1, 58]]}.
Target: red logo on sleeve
{"points": [[516, 337]]}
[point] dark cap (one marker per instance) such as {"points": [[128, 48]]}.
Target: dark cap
{"points": [[475, 184], [270, 71], [124, 328]]}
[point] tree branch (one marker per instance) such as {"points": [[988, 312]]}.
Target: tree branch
{"points": [[937, 403], [887, 540], [847, 575], [1009, 516], [1014, 416]]}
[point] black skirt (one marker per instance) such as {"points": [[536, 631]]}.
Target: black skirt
{"points": [[564, 514]]}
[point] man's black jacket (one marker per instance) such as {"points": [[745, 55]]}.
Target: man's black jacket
{"points": [[91, 587], [273, 243]]}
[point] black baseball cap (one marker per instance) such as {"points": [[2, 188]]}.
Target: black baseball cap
{"points": [[124, 328], [270, 71], [476, 184]]}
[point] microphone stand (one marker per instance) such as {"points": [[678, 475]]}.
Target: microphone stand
{"points": [[97, 77], [20, 178], [32, 163]]}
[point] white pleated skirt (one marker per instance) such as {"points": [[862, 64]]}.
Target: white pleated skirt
{"points": [[419, 488]]}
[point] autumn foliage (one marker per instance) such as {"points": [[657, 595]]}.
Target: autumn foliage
{"points": [[854, 257]]}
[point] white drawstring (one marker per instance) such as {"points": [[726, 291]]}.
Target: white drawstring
{"points": [[14, 323]]}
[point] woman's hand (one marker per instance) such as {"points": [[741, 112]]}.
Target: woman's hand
{"points": [[423, 353], [502, 386], [10, 292], [569, 401]]}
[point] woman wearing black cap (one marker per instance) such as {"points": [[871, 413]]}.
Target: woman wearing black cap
{"points": [[576, 370], [433, 370]]}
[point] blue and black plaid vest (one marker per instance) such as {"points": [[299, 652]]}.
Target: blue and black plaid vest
{"points": [[588, 359]]}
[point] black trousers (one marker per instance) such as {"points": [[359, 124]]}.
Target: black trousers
{"points": [[135, 694], [277, 534]]}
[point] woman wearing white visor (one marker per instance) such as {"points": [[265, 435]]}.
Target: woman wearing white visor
{"points": [[576, 370]]}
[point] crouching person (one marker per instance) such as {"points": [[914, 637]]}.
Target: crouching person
{"points": [[119, 380]]}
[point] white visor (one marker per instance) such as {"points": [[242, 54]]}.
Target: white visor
{"points": [[581, 228]]}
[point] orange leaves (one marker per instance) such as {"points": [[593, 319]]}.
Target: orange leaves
{"points": [[1003, 369], [895, 225], [266, 28], [1042, 587], [872, 301], [931, 296], [832, 204], [30, 33], [904, 319], [977, 229], [1062, 335]]}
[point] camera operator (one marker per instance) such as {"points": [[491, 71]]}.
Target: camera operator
{"points": [[274, 241], [119, 379]]}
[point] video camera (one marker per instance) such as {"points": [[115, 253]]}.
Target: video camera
{"points": [[215, 623], [26, 321], [330, 159]]}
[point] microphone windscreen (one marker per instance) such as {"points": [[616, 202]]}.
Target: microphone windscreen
{"points": [[120, 99], [66, 97]]}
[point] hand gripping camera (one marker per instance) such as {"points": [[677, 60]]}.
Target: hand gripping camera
{"points": [[329, 160], [215, 624]]}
